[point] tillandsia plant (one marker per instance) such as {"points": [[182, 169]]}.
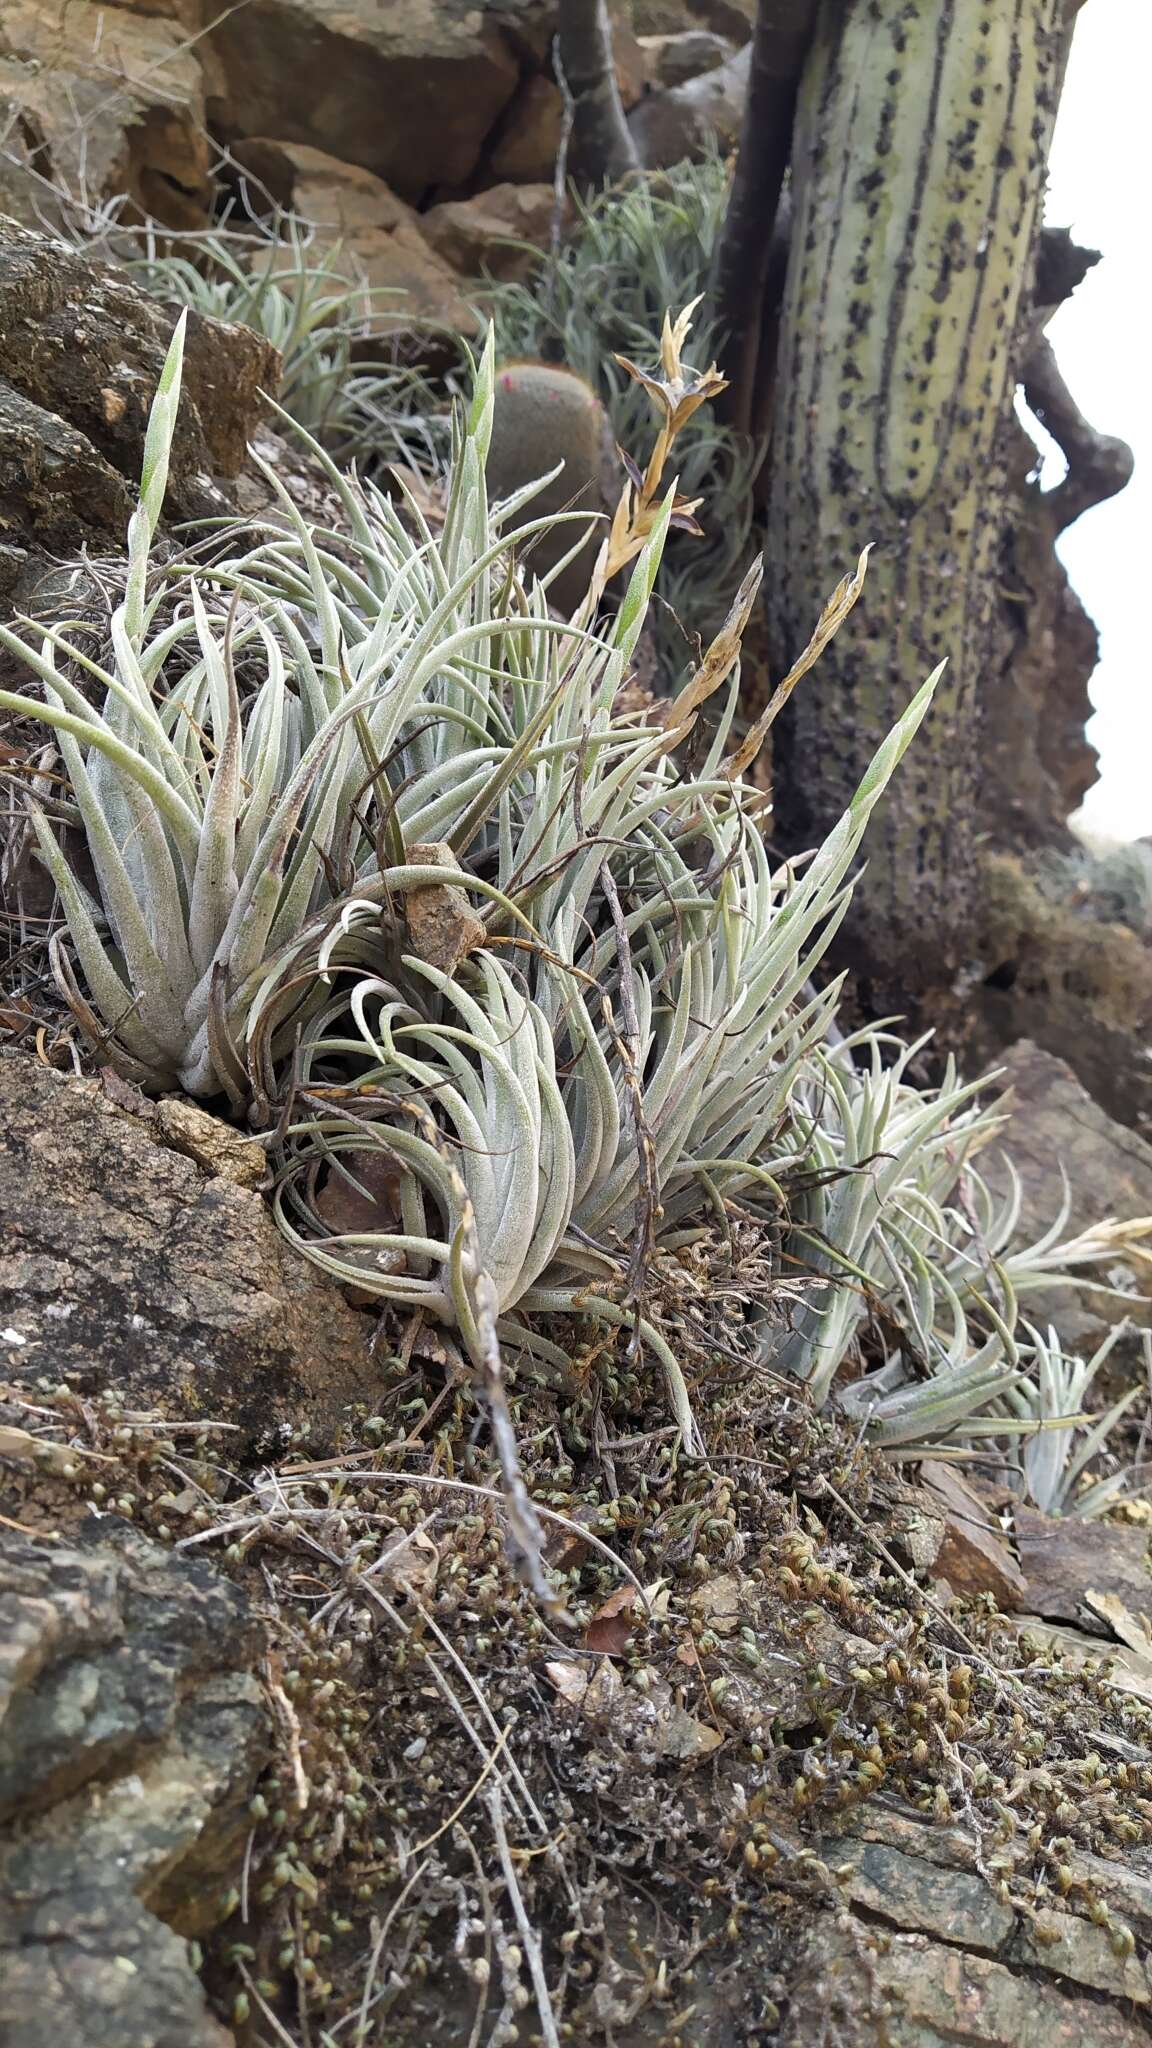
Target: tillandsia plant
{"points": [[894, 1211], [628, 1037], [276, 731], [373, 846]]}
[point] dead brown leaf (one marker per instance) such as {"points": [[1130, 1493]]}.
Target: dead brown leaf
{"points": [[591, 1690], [610, 1628]]}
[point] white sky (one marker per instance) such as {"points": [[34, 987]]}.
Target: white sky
{"points": [[1100, 187]]}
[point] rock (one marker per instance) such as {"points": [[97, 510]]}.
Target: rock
{"points": [[478, 237], [936, 1959], [124, 1265], [730, 18], [53, 482], [380, 240], [105, 102], [417, 290], [406, 90], [1055, 1128], [1063, 1560], [525, 153], [132, 1734], [915, 1526], [213, 1144], [689, 120], [672, 60], [1079, 989], [856, 1987], [81, 352], [913, 1893], [973, 1555], [1129, 1671], [442, 925]]}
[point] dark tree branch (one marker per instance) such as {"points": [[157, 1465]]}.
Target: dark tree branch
{"points": [[1061, 265], [745, 264], [602, 146], [1099, 465]]}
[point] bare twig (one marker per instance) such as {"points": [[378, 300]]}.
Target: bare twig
{"points": [[528, 1935], [1099, 465]]}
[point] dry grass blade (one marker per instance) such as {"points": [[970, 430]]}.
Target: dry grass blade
{"points": [[719, 660], [831, 619]]}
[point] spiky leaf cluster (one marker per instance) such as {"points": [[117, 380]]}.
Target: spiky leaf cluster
{"points": [[294, 748]]}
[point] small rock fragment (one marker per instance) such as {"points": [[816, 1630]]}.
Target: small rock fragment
{"points": [[1064, 1560], [442, 925], [973, 1556]]}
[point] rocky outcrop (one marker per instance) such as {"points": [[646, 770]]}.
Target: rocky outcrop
{"points": [[408, 91], [127, 1264], [81, 352], [144, 105], [1060, 1140], [376, 237], [102, 102], [924, 1955], [693, 119], [1080, 989], [132, 1734]]}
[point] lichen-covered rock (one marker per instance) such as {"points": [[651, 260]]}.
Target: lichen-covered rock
{"points": [[81, 353], [127, 1265], [103, 102], [926, 1956], [856, 1987], [53, 482], [132, 1733], [81, 340]]}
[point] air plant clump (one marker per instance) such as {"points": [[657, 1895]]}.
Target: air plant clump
{"points": [[377, 846], [311, 303]]}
